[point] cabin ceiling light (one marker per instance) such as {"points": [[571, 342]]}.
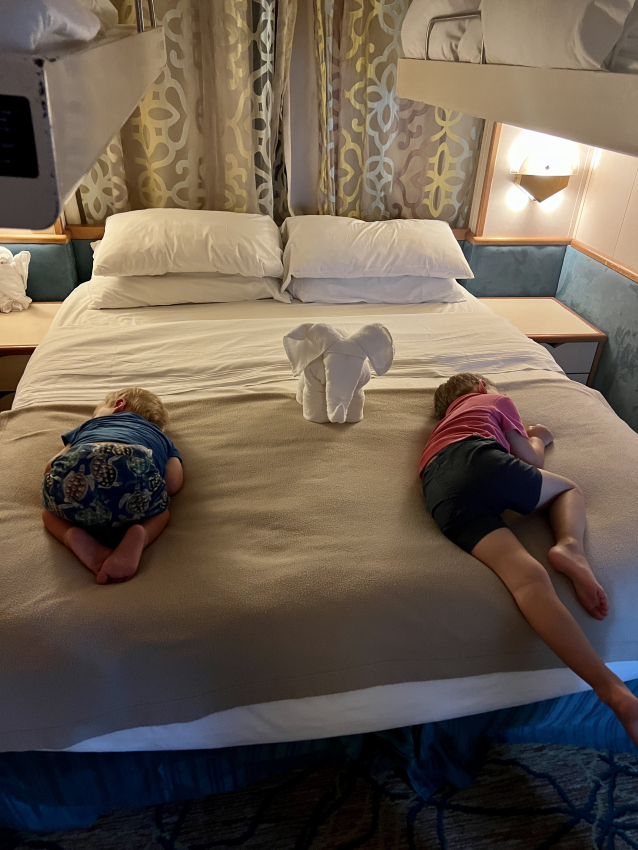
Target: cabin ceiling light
{"points": [[541, 177]]}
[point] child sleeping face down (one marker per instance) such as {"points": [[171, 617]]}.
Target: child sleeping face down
{"points": [[106, 493]]}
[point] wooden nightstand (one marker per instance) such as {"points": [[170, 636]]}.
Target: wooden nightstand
{"points": [[20, 334], [574, 343]]}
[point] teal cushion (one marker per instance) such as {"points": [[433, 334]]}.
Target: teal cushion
{"points": [[52, 271], [83, 258], [508, 270]]}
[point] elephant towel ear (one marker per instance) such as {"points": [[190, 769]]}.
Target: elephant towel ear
{"points": [[377, 343], [307, 342]]}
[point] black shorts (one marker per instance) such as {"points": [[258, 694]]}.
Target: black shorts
{"points": [[469, 484]]}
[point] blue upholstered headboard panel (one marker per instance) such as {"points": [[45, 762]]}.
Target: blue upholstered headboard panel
{"points": [[52, 271], [509, 270], [83, 258]]}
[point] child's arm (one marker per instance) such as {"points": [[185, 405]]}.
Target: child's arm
{"points": [[174, 475], [531, 449]]}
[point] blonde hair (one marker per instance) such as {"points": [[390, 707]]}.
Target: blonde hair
{"points": [[455, 387], [142, 402]]}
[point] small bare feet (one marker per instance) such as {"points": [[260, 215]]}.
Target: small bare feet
{"points": [[124, 560], [567, 557], [86, 548], [625, 706]]}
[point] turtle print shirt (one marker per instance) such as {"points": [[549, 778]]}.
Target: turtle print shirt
{"points": [[126, 428]]}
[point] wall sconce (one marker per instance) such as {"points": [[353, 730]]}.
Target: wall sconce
{"points": [[540, 177]]}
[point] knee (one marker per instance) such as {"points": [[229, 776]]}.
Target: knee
{"points": [[533, 579]]}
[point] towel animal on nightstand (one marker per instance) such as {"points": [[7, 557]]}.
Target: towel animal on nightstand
{"points": [[333, 368]]}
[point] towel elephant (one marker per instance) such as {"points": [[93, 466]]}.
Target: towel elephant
{"points": [[333, 368]]}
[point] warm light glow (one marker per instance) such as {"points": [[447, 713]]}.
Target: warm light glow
{"points": [[543, 150], [552, 203], [517, 199], [596, 157]]}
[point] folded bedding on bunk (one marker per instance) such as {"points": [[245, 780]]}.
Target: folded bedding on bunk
{"points": [[300, 561], [576, 34]]}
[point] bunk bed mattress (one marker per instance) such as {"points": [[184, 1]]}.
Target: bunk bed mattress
{"points": [[262, 594]]}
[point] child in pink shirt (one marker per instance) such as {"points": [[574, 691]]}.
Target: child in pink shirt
{"points": [[480, 461]]}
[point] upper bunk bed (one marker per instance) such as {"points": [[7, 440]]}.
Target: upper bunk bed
{"points": [[66, 88], [568, 69]]}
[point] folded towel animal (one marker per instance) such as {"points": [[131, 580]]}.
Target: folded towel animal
{"points": [[13, 280], [333, 368]]}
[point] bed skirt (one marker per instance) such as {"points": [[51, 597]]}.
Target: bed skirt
{"points": [[48, 791]]}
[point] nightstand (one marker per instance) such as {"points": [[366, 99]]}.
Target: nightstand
{"points": [[20, 334], [575, 344]]}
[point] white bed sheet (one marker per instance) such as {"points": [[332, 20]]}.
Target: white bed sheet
{"points": [[213, 349]]}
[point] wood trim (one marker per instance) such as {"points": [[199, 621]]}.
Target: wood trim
{"points": [[34, 238], [612, 264], [487, 180], [517, 240], [596, 330], [85, 231]]}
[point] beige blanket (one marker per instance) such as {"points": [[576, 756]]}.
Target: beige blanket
{"points": [[300, 560]]}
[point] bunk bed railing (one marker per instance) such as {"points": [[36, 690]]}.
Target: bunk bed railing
{"points": [[461, 16]]}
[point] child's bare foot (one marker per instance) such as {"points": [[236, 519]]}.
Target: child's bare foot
{"points": [[86, 548], [625, 706], [124, 560], [568, 557]]}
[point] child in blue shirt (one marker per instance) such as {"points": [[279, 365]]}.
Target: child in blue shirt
{"points": [[106, 493]]}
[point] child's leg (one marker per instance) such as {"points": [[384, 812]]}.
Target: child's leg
{"points": [[530, 585], [86, 548], [124, 560], [567, 517]]}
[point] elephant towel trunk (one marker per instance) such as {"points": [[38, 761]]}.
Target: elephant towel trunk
{"points": [[333, 368]]}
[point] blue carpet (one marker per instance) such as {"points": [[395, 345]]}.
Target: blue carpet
{"points": [[526, 796]]}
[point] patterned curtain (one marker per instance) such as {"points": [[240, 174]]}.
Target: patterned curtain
{"points": [[207, 133], [383, 156]]}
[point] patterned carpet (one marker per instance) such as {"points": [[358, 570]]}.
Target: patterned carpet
{"points": [[527, 796]]}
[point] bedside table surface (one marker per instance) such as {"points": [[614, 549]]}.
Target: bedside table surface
{"points": [[543, 318], [25, 329]]}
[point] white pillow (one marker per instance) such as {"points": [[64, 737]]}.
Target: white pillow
{"points": [[155, 242], [415, 27], [376, 290], [14, 271], [551, 34], [40, 24], [326, 246], [153, 290]]}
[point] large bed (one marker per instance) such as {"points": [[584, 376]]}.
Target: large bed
{"points": [[301, 590]]}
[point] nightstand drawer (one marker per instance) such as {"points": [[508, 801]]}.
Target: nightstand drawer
{"points": [[573, 357], [11, 368]]}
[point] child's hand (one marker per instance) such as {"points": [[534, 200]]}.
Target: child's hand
{"points": [[543, 434]]}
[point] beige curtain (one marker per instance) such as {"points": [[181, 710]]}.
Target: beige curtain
{"points": [[383, 156], [207, 133]]}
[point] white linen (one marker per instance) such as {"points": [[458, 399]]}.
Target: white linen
{"points": [[41, 24], [160, 290], [375, 290], [330, 246], [353, 712], [176, 241], [14, 271], [577, 34], [546, 34], [196, 359]]}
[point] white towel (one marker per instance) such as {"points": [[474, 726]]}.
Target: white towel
{"points": [[13, 280]]}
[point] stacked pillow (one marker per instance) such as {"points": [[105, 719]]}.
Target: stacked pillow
{"points": [[334, 259], [175, 256]]}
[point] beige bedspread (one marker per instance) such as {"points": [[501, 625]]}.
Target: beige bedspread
{"points": [[300, 560]]}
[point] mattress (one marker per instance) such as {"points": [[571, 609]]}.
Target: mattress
{"points": [[575, 34], [230, 350]]}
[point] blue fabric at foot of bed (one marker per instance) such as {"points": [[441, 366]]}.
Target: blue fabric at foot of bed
{"points": [[45, 791]]}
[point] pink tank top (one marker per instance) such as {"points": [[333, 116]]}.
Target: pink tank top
{"points": [[480, 414]]}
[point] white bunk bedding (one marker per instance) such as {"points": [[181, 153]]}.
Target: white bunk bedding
{"points": [[575, 34], [191, 351]]}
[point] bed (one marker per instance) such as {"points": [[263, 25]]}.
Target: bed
{"points": [[565, 69], [301, 592]]}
